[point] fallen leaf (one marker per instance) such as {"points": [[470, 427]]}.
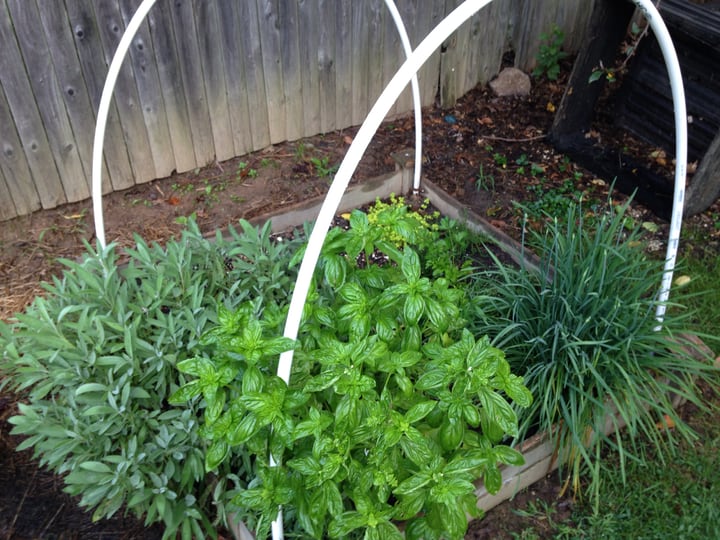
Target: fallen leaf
{"points": [[682, 280], [666, 423], [486, 121], [173, 200], [347, 139], [550, 107], [346, 215], [75, 216], [650, 226]]}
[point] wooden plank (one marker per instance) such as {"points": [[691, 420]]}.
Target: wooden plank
{"points": [[310, 25], [213, 71], [488, 33], [81, 18], [188, 51], [142, 59], [49, 97], [453, 61], [428, 76], [704, 189], [231, 48], [68, 70], [111, 28], [344, 67], [171, 86], [22, 196], [377, 15], [7, 207], [360, 61], [291, 70], [28, 121], [327, 65], [393, 54], [254, 74], [270, 40], [574, 115]]}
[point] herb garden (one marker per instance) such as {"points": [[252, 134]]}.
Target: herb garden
{"points": [[426, 354]]}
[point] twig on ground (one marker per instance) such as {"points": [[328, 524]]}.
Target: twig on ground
{"points": [[507, 139]]}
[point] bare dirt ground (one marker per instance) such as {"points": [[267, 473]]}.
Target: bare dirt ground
{"points": [[481, 151]]}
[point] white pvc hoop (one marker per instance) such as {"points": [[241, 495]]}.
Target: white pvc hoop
{"points": [[392, 91], [362, 139], [109, 88]]}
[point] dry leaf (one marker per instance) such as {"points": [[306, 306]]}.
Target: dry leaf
{"points": [[347, 139], [173, 200], [666, 423], [550, 107]]}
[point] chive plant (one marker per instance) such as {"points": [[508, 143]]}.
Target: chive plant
{"points": [[582, 332]]}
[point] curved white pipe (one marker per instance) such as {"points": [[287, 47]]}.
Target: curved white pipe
{"points": [[391, 93], [417, 104], [362, 139], [104, 109], [678, 94]]}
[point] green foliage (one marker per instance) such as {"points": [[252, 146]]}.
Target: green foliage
{"points": [[583, 333], [553, 201], [323, 167], [95, 362], [393, 409], [550, 54]]}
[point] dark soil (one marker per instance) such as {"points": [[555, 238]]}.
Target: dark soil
{"points": [[488, 152]]}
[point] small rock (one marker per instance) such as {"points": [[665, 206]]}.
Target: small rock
{"points": [[511, 82]]}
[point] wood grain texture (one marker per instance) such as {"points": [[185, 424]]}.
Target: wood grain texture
{"points": [[49, 97], [208, 80], [142, 59], [19, 196], [68, 69], [188, 50], [212, 70], [254, 75], [271, 46], [171, 86], [26, 118], [230, 48], [85, 34], [127, 99]]}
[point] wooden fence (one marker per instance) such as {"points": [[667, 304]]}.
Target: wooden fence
{"points": [[208, 80]]}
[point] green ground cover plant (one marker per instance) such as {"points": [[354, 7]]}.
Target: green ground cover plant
{"points": [[583, 334]]}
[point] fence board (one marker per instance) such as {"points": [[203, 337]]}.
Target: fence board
{"points": [[231, 49], [141, 56], [343, 63], [212, 72], [22, 197], [270, 39], [82, 21], [192, 77], [171, 86], [7, 207], [68, 70], [309, 62], [27, 118], [254, 75], [359, 61], [378, 17], [45, 88], [211, 79], [291, 68], [110, 28], [326, 64]]}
